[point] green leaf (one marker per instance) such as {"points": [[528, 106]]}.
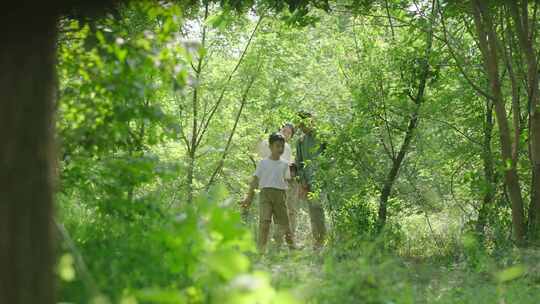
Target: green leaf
{"points": [[228, 263], [510, 274], [66, 271]]}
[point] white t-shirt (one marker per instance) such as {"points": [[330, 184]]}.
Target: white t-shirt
{"points": [[273, 174], [263, 149]]}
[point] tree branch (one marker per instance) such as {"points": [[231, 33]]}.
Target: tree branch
{"points": [[208, 119], [231, 135]]}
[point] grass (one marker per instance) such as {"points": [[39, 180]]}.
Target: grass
{"points": [[368, 274]]}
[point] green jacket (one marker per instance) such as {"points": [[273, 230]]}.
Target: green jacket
{"points": [[308, 148]]}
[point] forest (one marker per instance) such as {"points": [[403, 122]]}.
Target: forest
{"points": [[131, 131]]}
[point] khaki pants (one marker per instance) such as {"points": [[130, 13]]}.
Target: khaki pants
{"points": [[273, 205], [293, 207], [316, 217]]}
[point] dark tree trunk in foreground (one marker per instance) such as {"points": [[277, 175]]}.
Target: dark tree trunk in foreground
{"points": [[27, 94]]}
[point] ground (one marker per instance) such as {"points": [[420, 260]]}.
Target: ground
{"points": [[367, 276]]}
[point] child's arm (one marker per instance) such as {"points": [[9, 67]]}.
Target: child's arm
{"points": [[287, 173], [251, 192]]}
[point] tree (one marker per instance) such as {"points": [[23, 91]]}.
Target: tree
{"points": [[417, 98], [28, 84], [200, 108], [526, 30], [489, 45]]}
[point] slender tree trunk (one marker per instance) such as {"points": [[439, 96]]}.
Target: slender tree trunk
{"points": [[192, 148], [534, 207], [196, 133], [27, 95], [489, 176], [514, 82], [225, 153], [189, 177], [394, 171], [413, 124], [534, 135], [489, 48], [526, 31]]}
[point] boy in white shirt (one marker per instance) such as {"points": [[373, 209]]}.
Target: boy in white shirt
{"points": [[263, 150], [271, 176]]}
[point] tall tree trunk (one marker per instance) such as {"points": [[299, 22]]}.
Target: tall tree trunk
{"points": [[534, 207], [514, 82], [526, 31], [196, 132], [225, 153], [413, 124], [489, 176], [189, 177], [396, 165], [27, 90], [489, 49]]}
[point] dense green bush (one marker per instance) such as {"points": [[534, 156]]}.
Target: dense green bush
{"points": [[196, 254]]}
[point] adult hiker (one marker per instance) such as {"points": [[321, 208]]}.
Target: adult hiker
{"points": [[308, 149]]}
